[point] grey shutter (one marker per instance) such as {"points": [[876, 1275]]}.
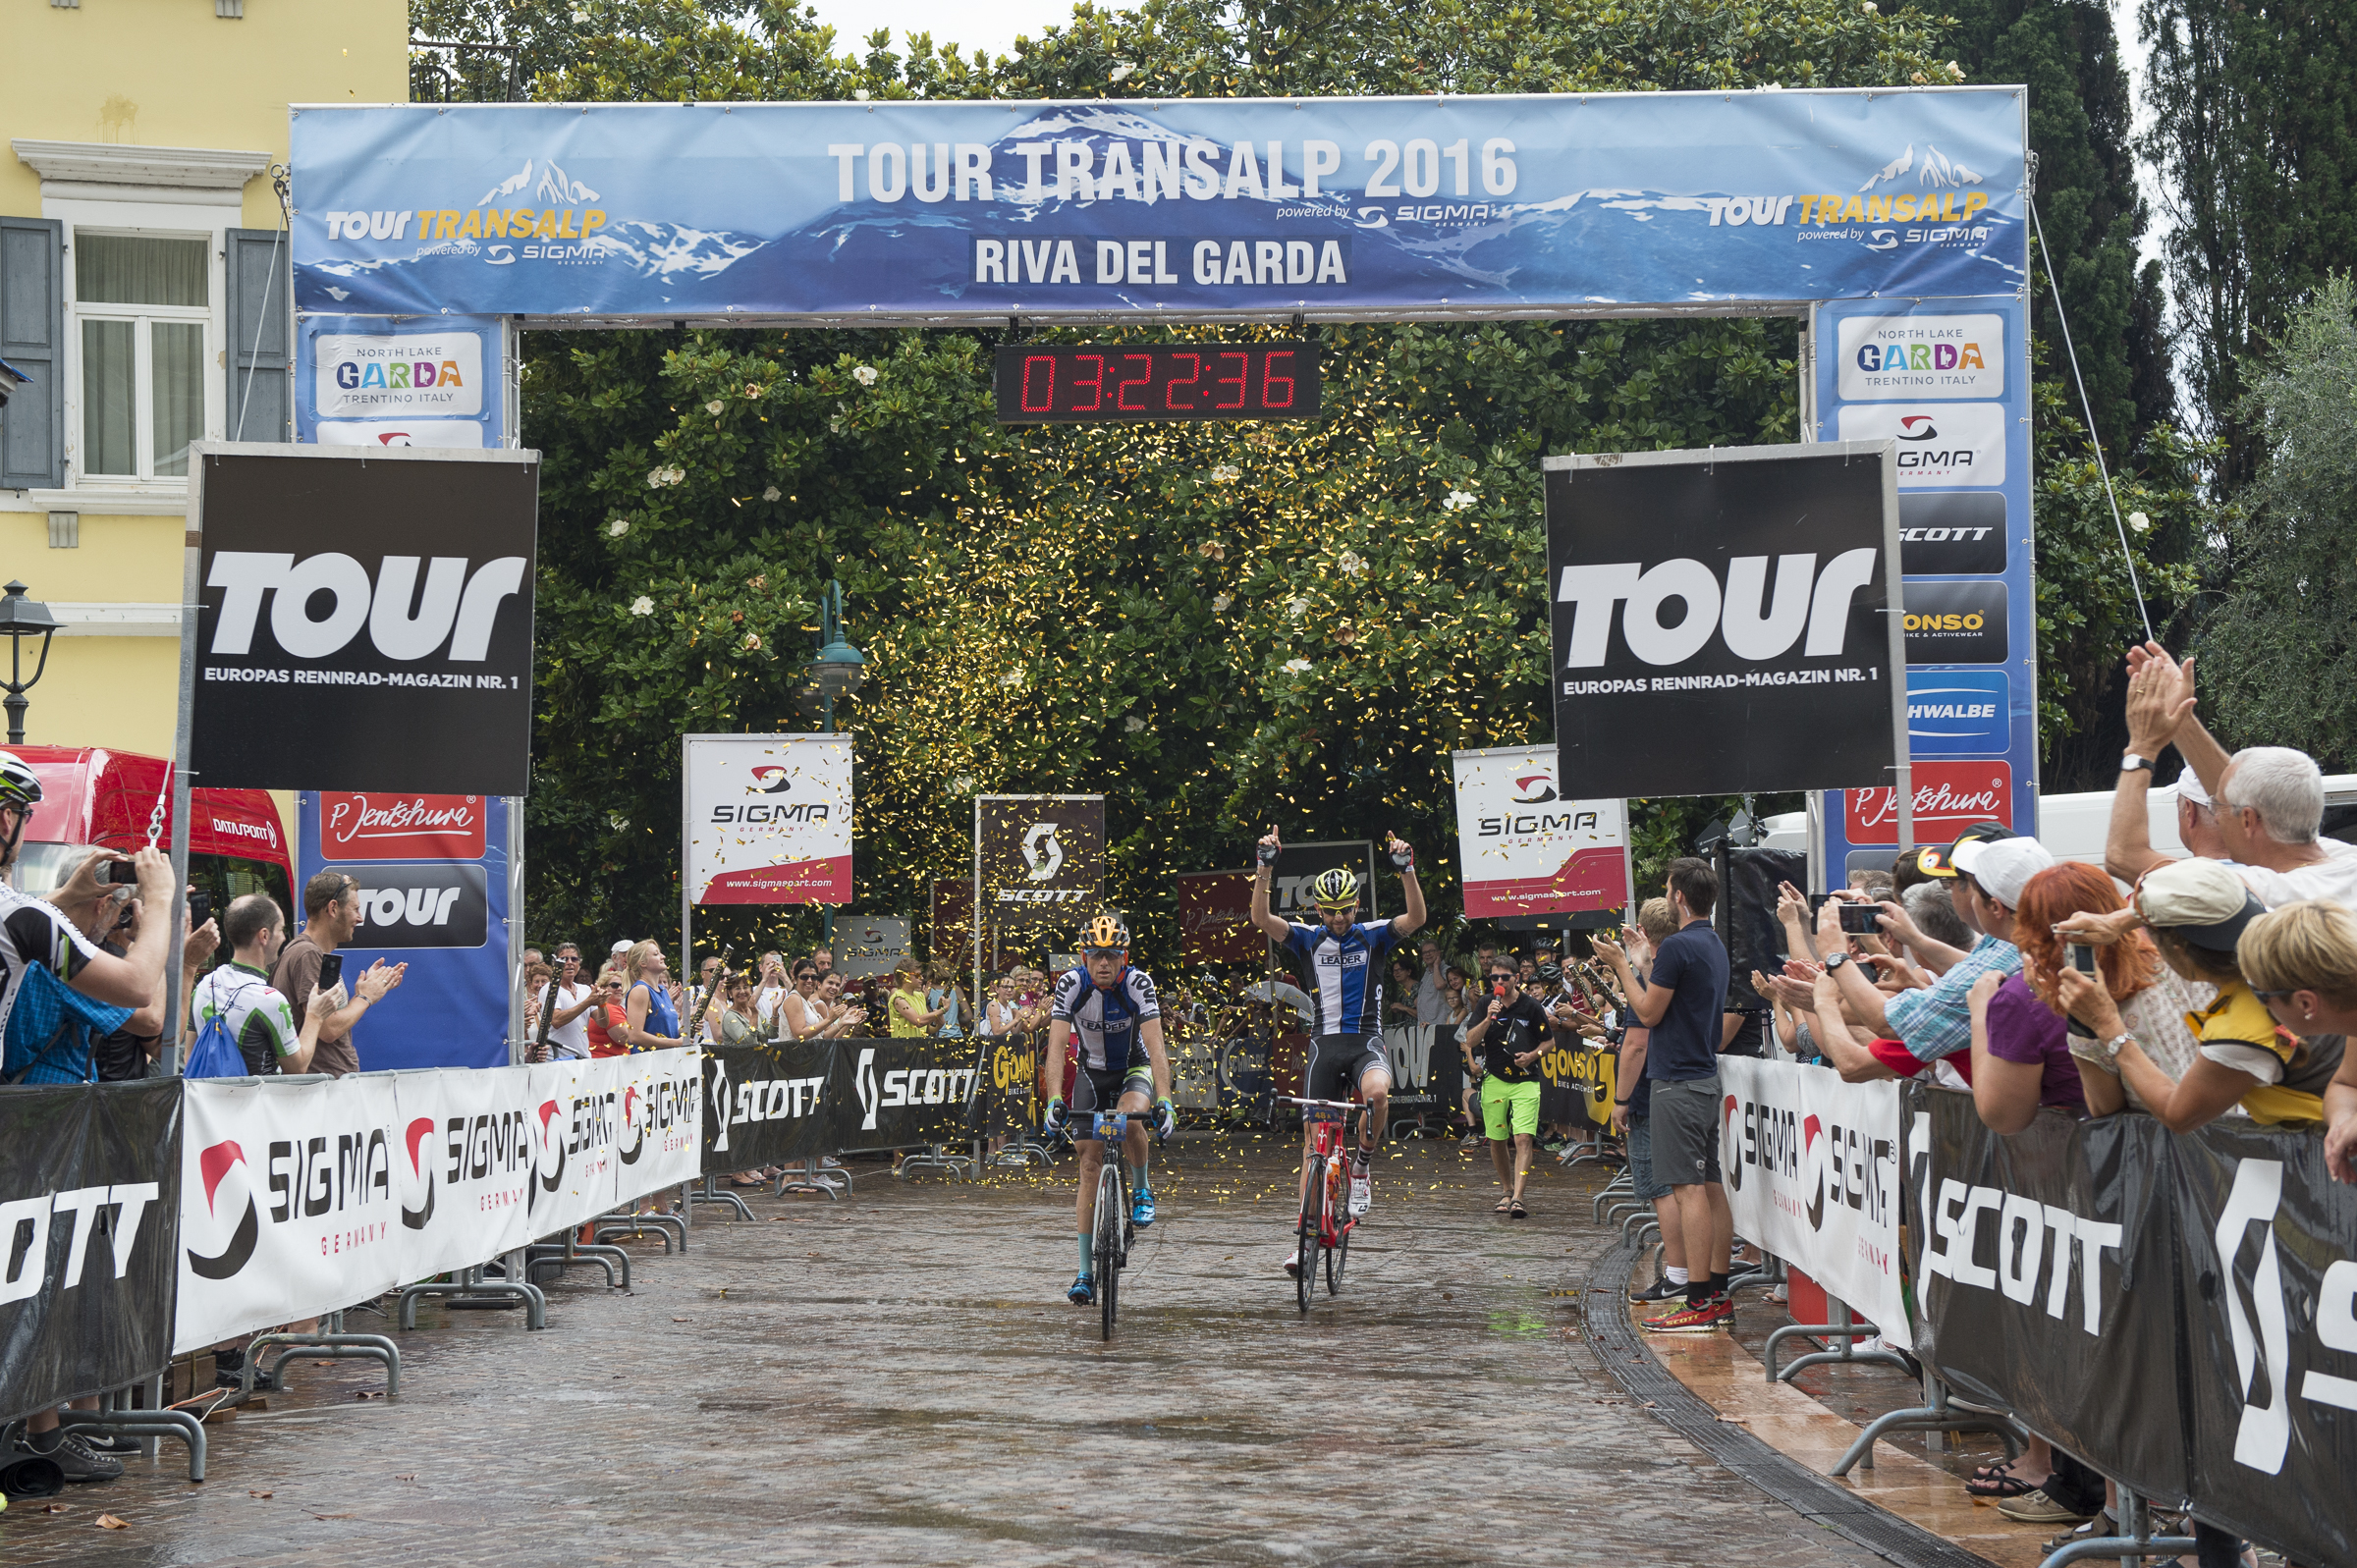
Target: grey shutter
{"points": [[33, 338], [261, 322]]}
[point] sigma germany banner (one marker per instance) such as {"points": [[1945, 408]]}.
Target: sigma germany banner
{"points": [[1811, 1166], [1528, 851], [1544, 205], [302, 1197], [767, 818], [1040, 858]]}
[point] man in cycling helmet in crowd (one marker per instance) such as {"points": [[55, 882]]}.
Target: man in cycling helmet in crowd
{"points": [[1112, 1011], [1343, 958]]}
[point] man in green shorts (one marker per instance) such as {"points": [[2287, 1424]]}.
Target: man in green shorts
{"points": [[1510, 1037]]}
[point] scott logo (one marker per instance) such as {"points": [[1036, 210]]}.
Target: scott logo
{"points": [[79, 1210], [1804, 597], [1042, 852], [457, 606]]}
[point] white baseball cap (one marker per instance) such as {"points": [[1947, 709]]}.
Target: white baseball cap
{"points": [[2003, 867]]}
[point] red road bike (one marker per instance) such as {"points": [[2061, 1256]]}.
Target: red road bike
{"points": [[1326, 1222]]}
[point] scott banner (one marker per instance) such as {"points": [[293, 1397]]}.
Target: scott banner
{"points": [[767, 1105], [1040, 858], [302, 1198], [90, 1207], [903, 1093], [767, 818], [1812, 1171], [1710, 595], [366, 619], [1543, 205], [1528, 851]]}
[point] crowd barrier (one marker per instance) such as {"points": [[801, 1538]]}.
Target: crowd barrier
{"points": [[2179, 1310]]}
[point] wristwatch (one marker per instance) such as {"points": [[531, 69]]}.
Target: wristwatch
{"points": [[2131, 761], [1834, 961]]}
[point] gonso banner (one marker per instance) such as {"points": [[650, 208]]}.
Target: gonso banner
{"points": [[1426, 206]]}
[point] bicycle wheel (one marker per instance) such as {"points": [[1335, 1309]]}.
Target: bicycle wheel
{"points": [[1338, 1257], [1108, 1246], [1310, 1234]]}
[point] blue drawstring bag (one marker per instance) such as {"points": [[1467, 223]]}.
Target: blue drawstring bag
{"points": [[50, 1029], [215, 1055]]}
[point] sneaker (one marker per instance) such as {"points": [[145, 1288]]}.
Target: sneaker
{"points": [[1083, 1292], [1363, 1189], [1293, 1264], [2037, 1509], [1141, 1209], [1701, 1320], [1659, 1291], [72, 1456]]}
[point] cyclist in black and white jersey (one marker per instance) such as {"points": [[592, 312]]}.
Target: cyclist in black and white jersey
{"points": [[1342, 958], [1111, 1010]]}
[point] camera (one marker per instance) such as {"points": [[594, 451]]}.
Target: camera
{"points": [[119, 874], [1861, 919], [2082, 957]]}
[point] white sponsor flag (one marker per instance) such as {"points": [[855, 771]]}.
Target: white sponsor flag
{"points": [[768, 819], [1523, 847], [1812, 1171]]}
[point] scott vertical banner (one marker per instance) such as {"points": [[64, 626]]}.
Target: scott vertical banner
{"points": [[377, 382], [1524, 847], [432, 885], [1042, 857], [1812, 1172], [1724, 593], [1543, 205], [1946, 381], [366, 618], [768, 819], [89, 1212]]}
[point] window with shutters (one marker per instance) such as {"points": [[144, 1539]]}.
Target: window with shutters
{"points": [[143, 333]]}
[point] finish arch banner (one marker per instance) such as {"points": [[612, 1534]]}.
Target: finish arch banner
{"points": [[1544, 205], [767, 818]]}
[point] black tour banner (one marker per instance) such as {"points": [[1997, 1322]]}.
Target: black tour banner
{"points": [[2180, 1312], [767, 1105], [365, 617], [1722, 619], [1042, 857], [1301, 865], [89, 1227]]}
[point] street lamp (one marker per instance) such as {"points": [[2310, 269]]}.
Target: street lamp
{"points": [[22, 618], [837, 671]]}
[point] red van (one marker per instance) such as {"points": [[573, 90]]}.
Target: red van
{"points": [[91, 796]]}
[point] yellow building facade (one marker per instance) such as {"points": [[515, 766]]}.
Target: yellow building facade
{"points": [[142, 267]]}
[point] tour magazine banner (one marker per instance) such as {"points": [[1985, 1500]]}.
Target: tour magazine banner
{"points": [[1946, 381], [1812, 1172], [367, 381], [767, 818], [1040, 859], [366, 618], [90, 1216], [1742, 592], [305, 1197], [1523, 847], [1302, 864], [1377, 207], [433, 894]]}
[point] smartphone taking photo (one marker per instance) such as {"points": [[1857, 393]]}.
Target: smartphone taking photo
{"points": [[331, 971]]}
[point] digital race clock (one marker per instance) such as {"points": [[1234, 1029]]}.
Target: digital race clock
{"points": [[1120, 383]]}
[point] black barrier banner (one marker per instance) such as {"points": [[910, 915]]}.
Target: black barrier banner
{"points": [[2267, 1289], [89, 1227], [2045, 1263], [902, 1093], [767, 1105], [366, 619], [1008, 1081], [1725, 592]]}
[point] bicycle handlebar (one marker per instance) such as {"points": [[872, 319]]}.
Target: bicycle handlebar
{"points": [[1320, 1104]]}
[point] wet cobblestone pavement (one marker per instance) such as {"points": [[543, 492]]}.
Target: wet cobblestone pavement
{"points": [[897, 1379]]}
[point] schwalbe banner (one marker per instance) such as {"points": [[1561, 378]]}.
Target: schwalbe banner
{"points": [[1429, 206], [366, 620]]}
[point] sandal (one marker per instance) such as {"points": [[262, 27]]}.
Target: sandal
{"points": [[1504, 1204], [1517, 1211], [1997, 1489], [2003, 1467]]}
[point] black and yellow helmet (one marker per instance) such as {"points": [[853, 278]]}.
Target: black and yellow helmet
{"points": [[1103, 934], [1337, 889]]}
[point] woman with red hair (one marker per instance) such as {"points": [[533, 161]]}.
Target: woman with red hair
{"points": [[2150, 997]]}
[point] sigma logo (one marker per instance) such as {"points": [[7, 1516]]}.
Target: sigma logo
{"points": [[1819, 1163], [83, 1212], [758, 814], [1536, 824], [1755, 623], [1537, 790], [458, 608], [368, 225], [1043, 852], [769, 780], [2259, 1327], [1939, 446]]}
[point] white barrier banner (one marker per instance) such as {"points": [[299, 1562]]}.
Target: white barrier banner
{"points": [[301, 1198], [1812, 1172]]}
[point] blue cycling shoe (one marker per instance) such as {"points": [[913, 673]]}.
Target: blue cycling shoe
{"points": [[1083, 1292], [1141, 1209]]}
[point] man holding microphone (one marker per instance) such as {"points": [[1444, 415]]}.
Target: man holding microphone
{"points": [[1511, 1035]]}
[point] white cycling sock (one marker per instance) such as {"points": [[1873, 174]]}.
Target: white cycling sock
{"points": [[1676, 1277]]}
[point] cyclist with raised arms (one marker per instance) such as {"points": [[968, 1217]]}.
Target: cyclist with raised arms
{"points": [[1113, 1011], [1343, 958]]}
